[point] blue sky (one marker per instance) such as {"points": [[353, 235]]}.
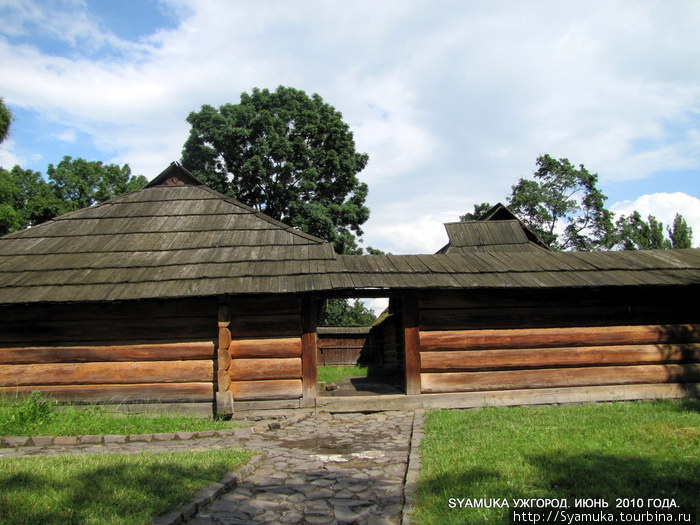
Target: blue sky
{"points": [[452, 100]]}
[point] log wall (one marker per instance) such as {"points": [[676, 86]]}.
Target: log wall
{"points": [[348, 346], [260, 348], [482, 342], [141, 351]]}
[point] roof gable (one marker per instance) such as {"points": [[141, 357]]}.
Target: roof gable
{"points": [[498, 230], [174, 175]]}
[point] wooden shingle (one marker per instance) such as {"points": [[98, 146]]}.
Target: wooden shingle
{"points": [[186, 240]]}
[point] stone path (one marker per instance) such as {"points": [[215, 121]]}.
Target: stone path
{"points": [[323, 469], [342, 468]]}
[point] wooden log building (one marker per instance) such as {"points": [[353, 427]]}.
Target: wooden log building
{"points": [[179, 296]]}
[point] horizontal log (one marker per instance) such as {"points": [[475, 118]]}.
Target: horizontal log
{"points": [[261, 390], [48, 331], [258, 407], [244, 326], [160, 392], [663, 299], [276, 347], [199, 409], [558, 357], [101, 373], [549, 314], [85, 354], [263, 369], [432, 341], [552, 378], [265, 304], [327, 340], [541, 396], [183, 308]]}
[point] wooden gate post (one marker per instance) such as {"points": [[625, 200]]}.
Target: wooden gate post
{"points": [[224, 398], [309, 350], [411, 341]]}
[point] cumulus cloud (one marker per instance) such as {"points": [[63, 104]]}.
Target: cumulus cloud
{"points": [[453, 102]]}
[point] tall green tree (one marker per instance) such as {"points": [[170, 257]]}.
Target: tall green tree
{"points": [[79, 183], [5, 121], [680, 233], [478, 213], [563, 205], [286, 154], [636, 233], [27, 199], [340, 312]]}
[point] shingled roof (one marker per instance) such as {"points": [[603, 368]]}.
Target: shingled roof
{"points": [[499, 230], [178, 238]]}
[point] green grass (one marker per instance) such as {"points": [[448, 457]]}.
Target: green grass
{"points": [[610, 450], [331, 374], [106, 489], [36, 415]]}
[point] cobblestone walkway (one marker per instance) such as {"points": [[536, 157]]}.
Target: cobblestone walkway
{"points": [[323, 469], [342, 468]]}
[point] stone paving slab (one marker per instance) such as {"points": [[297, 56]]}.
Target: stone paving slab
{"points": [[41, 441], [327, 469]]}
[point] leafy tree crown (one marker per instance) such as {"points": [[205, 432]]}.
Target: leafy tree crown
{"points": [[286, 154]]}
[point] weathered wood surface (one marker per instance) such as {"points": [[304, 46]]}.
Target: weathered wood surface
{"points": [[277, 304], [456, 360], [223, 380], [85, 354], [46, 332], [543, 396], [309, 349], [536, 316], [280, 325], [558, 337], [412, 346], [275, 347], [224, 337], [155, 392], [223, 359], [97, 373], [262, 390], [265, 406], [109, 311], [264, 369], [550, 378], [515, 308]]}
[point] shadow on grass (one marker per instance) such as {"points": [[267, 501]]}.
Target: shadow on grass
{"points": [[610, 477], [122, 493], [689, 405], [596, 476]]}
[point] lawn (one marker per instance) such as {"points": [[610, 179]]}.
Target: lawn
{"points": [[106, 488], [333, 373], [36, 415], [101, 488], [607, 450]]}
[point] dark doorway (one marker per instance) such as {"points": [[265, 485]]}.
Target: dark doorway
{"points": [[362, 360]]}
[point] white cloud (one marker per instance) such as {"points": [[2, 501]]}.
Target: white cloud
{"points": [[8, 158], [453, 102], [423, 233], [664, 206]]}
